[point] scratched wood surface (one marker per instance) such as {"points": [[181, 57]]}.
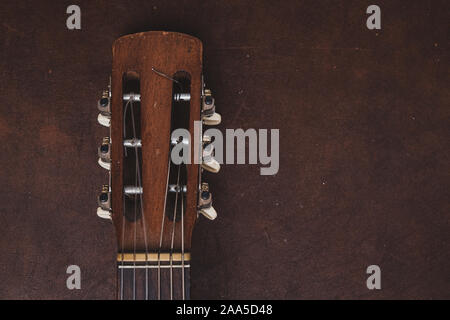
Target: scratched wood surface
{"points": [[169, 53], [364, 171]]}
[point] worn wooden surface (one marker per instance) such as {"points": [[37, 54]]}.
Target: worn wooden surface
{"points": [[364, 167], [169, 53]]}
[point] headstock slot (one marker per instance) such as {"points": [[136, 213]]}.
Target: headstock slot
{"points": [[132, 156], [176, 202]]}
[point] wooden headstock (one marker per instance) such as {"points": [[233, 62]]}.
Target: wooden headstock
{"points": [[156, 87]]}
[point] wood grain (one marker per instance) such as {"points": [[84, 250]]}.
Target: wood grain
{"points": [[366, 181], [169, 53]]}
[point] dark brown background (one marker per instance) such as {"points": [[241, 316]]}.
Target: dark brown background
{"points": [[364, 166]]}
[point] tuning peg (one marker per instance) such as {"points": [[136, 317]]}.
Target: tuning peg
{"points": [[104, 214], [104, 165], [208, 151], [209, 115], [208, 105], [213, 120], [205, 203], [104, 120], [209, 163], [104, 106], [104, 201], [104, 154], [209, 213]]}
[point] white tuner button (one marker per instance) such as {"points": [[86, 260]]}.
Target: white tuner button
{"points": [[105, 165], [104, 120], [208, 151], [211, 165], [209, 213], [104, 214], [212, 120]]}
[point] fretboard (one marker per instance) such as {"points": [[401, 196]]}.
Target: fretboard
{"points": [[165, 279]]}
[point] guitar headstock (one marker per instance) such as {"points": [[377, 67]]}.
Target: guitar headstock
{"points": [[156, 88]]}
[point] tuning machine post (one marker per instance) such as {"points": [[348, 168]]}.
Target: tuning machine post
{"points": [[104, 106], [104, 154], [205, 203], [209, 115], [104, 202]]}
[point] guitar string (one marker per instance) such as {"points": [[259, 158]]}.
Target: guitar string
{"points": [[182, 233], [165, 198], [182, 245], [122, 255], [141, 204], [134, 235], [138, 184], [179, 188], [162, 74], [124, 212], [162, 232], [174, 221], [135, 216]]}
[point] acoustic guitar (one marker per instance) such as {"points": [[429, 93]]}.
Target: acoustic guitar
{"points": [[153, 201]]}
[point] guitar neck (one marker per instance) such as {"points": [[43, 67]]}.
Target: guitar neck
{"points": [[156, 104], [163, 278]]}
